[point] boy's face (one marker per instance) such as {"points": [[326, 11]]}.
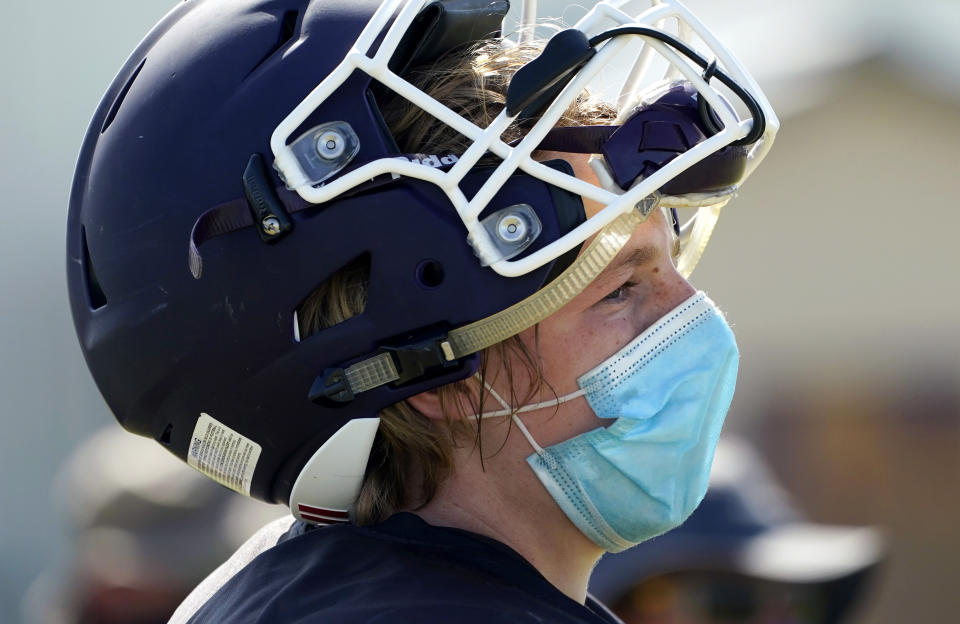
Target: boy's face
{"points": [[639, 287]]}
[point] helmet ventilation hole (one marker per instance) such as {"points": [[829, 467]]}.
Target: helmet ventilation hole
{"points": [[430, 273], [340, 297], [115, 107], [94, 292], [166, 435], [288, 28]]}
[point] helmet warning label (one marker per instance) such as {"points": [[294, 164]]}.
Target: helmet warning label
{"points": [[223, 454]]}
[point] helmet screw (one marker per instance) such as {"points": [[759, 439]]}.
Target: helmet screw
{"points": [[270, 225], [512, 228], [330, 145], [646, 205]]}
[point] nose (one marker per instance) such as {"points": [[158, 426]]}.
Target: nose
{"points": [[676, 289], [669, 290], [679, 289]]}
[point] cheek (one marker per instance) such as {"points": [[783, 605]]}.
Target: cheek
{"points": [[569, 351]]}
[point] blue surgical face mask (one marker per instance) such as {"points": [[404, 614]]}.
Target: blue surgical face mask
{"points": [[669, 391]]}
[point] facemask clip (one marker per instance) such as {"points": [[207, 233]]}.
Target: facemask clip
{"points": [[324, 150], [511, 230]]}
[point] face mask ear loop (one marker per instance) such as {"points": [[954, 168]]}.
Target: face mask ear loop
{"points": [[552, 402], [509, 411], [523, 429], [506, 411]]}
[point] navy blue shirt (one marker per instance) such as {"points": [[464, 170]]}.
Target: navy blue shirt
{"points": [[403, 570]]}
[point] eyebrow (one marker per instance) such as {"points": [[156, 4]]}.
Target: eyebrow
{"points": [[636, 258], [641, 256]]}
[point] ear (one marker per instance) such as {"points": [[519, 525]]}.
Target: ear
{"points": [[428, 403], [464, 392]]}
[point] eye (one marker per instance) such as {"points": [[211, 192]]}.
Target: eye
{"points": [[621, 293]]}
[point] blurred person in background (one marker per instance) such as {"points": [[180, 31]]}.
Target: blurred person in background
{"points": [[144, 531], [745, 556]]}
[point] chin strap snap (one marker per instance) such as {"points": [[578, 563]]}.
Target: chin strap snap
{"points": [[392, 365]]}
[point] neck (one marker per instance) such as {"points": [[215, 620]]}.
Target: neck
{"points": [[506, 502]]}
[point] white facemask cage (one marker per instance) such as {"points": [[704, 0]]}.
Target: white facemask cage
{"points": [[623, 211]]}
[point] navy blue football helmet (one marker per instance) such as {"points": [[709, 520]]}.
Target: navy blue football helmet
{"points": [[240, 158]]}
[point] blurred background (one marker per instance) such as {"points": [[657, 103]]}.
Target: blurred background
{"points": [[836, 265]]}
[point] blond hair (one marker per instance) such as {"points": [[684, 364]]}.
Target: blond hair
{"points": [[412, 455]]}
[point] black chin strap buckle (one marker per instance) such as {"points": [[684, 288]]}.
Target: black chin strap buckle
{"points": [[416, 359], [331, 387]]}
